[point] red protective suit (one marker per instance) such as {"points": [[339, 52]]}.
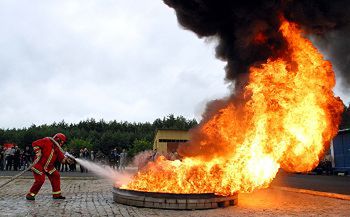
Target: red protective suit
{"points": [[46, 153]]}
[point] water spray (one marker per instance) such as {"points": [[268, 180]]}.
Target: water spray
{"points": [[117, 177]]}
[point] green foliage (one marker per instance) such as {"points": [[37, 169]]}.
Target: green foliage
{"points": [[171, 122], [139, 146], [77, 144], [99, 135]]}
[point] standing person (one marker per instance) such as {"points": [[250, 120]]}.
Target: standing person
{"points": [[123, 156], [64, 167], [116, 158], [81, 156], [177, 156], [111, 158], [86, 156], [2, 158], [92, 156], [22, 160], [99, 156], [73, 166], [7, 158], [47, 150], [27, 156], [10, 156], [154, 155], [16, 158]]}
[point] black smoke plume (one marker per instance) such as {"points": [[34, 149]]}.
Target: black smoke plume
{"points": [[247, 31], [248, 34]]}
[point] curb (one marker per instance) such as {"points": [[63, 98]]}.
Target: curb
{"points": [[316, 193]]}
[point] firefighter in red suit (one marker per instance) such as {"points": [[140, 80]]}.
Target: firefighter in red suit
{"points": [[47, 151]]}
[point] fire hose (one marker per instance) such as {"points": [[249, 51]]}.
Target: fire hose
{"points": [[36, 161], [18, 175]]}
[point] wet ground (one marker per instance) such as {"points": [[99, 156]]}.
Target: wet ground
{"points": [[93, 197]]}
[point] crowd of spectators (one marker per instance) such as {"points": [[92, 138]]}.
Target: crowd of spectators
{"points": [[14, 158], [114, 159], [117, 160]]}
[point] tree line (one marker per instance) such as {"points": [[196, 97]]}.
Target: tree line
{"points": [[99, 135], [105, 136]]}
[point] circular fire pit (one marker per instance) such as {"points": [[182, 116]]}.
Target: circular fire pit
{"points": [[172, 201]]}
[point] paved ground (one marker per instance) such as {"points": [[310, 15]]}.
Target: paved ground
{"points": [[94, 198], [334, 184]]}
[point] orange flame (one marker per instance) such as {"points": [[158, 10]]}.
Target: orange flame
{"points": [[287, 119]]}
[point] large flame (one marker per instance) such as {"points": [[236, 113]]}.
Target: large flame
{"points": [[286, 118]]}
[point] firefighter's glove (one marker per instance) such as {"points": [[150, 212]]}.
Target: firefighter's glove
{"points": [[70, 161], [67, 160]]}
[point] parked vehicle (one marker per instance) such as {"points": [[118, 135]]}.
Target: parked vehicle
{"points": [[340, 152]]}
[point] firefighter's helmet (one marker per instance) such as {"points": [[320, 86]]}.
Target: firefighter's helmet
{"points": [[60, 137]]}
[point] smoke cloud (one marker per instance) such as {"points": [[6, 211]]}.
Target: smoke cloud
{"points": [[329, 22], [336, 45], [247, 31], [247, 34]]}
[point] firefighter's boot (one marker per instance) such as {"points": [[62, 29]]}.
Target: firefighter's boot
{"points": [[30, 196], [58, 197]]}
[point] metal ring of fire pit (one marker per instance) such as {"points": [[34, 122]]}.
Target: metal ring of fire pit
{"points": [[172, 201]]}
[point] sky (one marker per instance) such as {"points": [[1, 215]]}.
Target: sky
{"points": [[114, 60]]}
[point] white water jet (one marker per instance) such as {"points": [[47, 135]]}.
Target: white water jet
{"points": [[117, 177]]}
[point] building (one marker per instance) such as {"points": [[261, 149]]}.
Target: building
{"points": [[168, 140], [340, 152]]}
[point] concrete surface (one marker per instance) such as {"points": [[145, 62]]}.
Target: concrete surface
{"points": [[94, 198]]}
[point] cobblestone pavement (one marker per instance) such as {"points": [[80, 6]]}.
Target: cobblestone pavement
{"points": [[94, 198]]}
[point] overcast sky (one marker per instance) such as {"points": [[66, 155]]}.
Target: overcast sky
{"points": [[113, 59]]}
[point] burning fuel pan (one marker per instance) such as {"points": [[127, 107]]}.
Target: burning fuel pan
{"points": [[172, 201]]}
